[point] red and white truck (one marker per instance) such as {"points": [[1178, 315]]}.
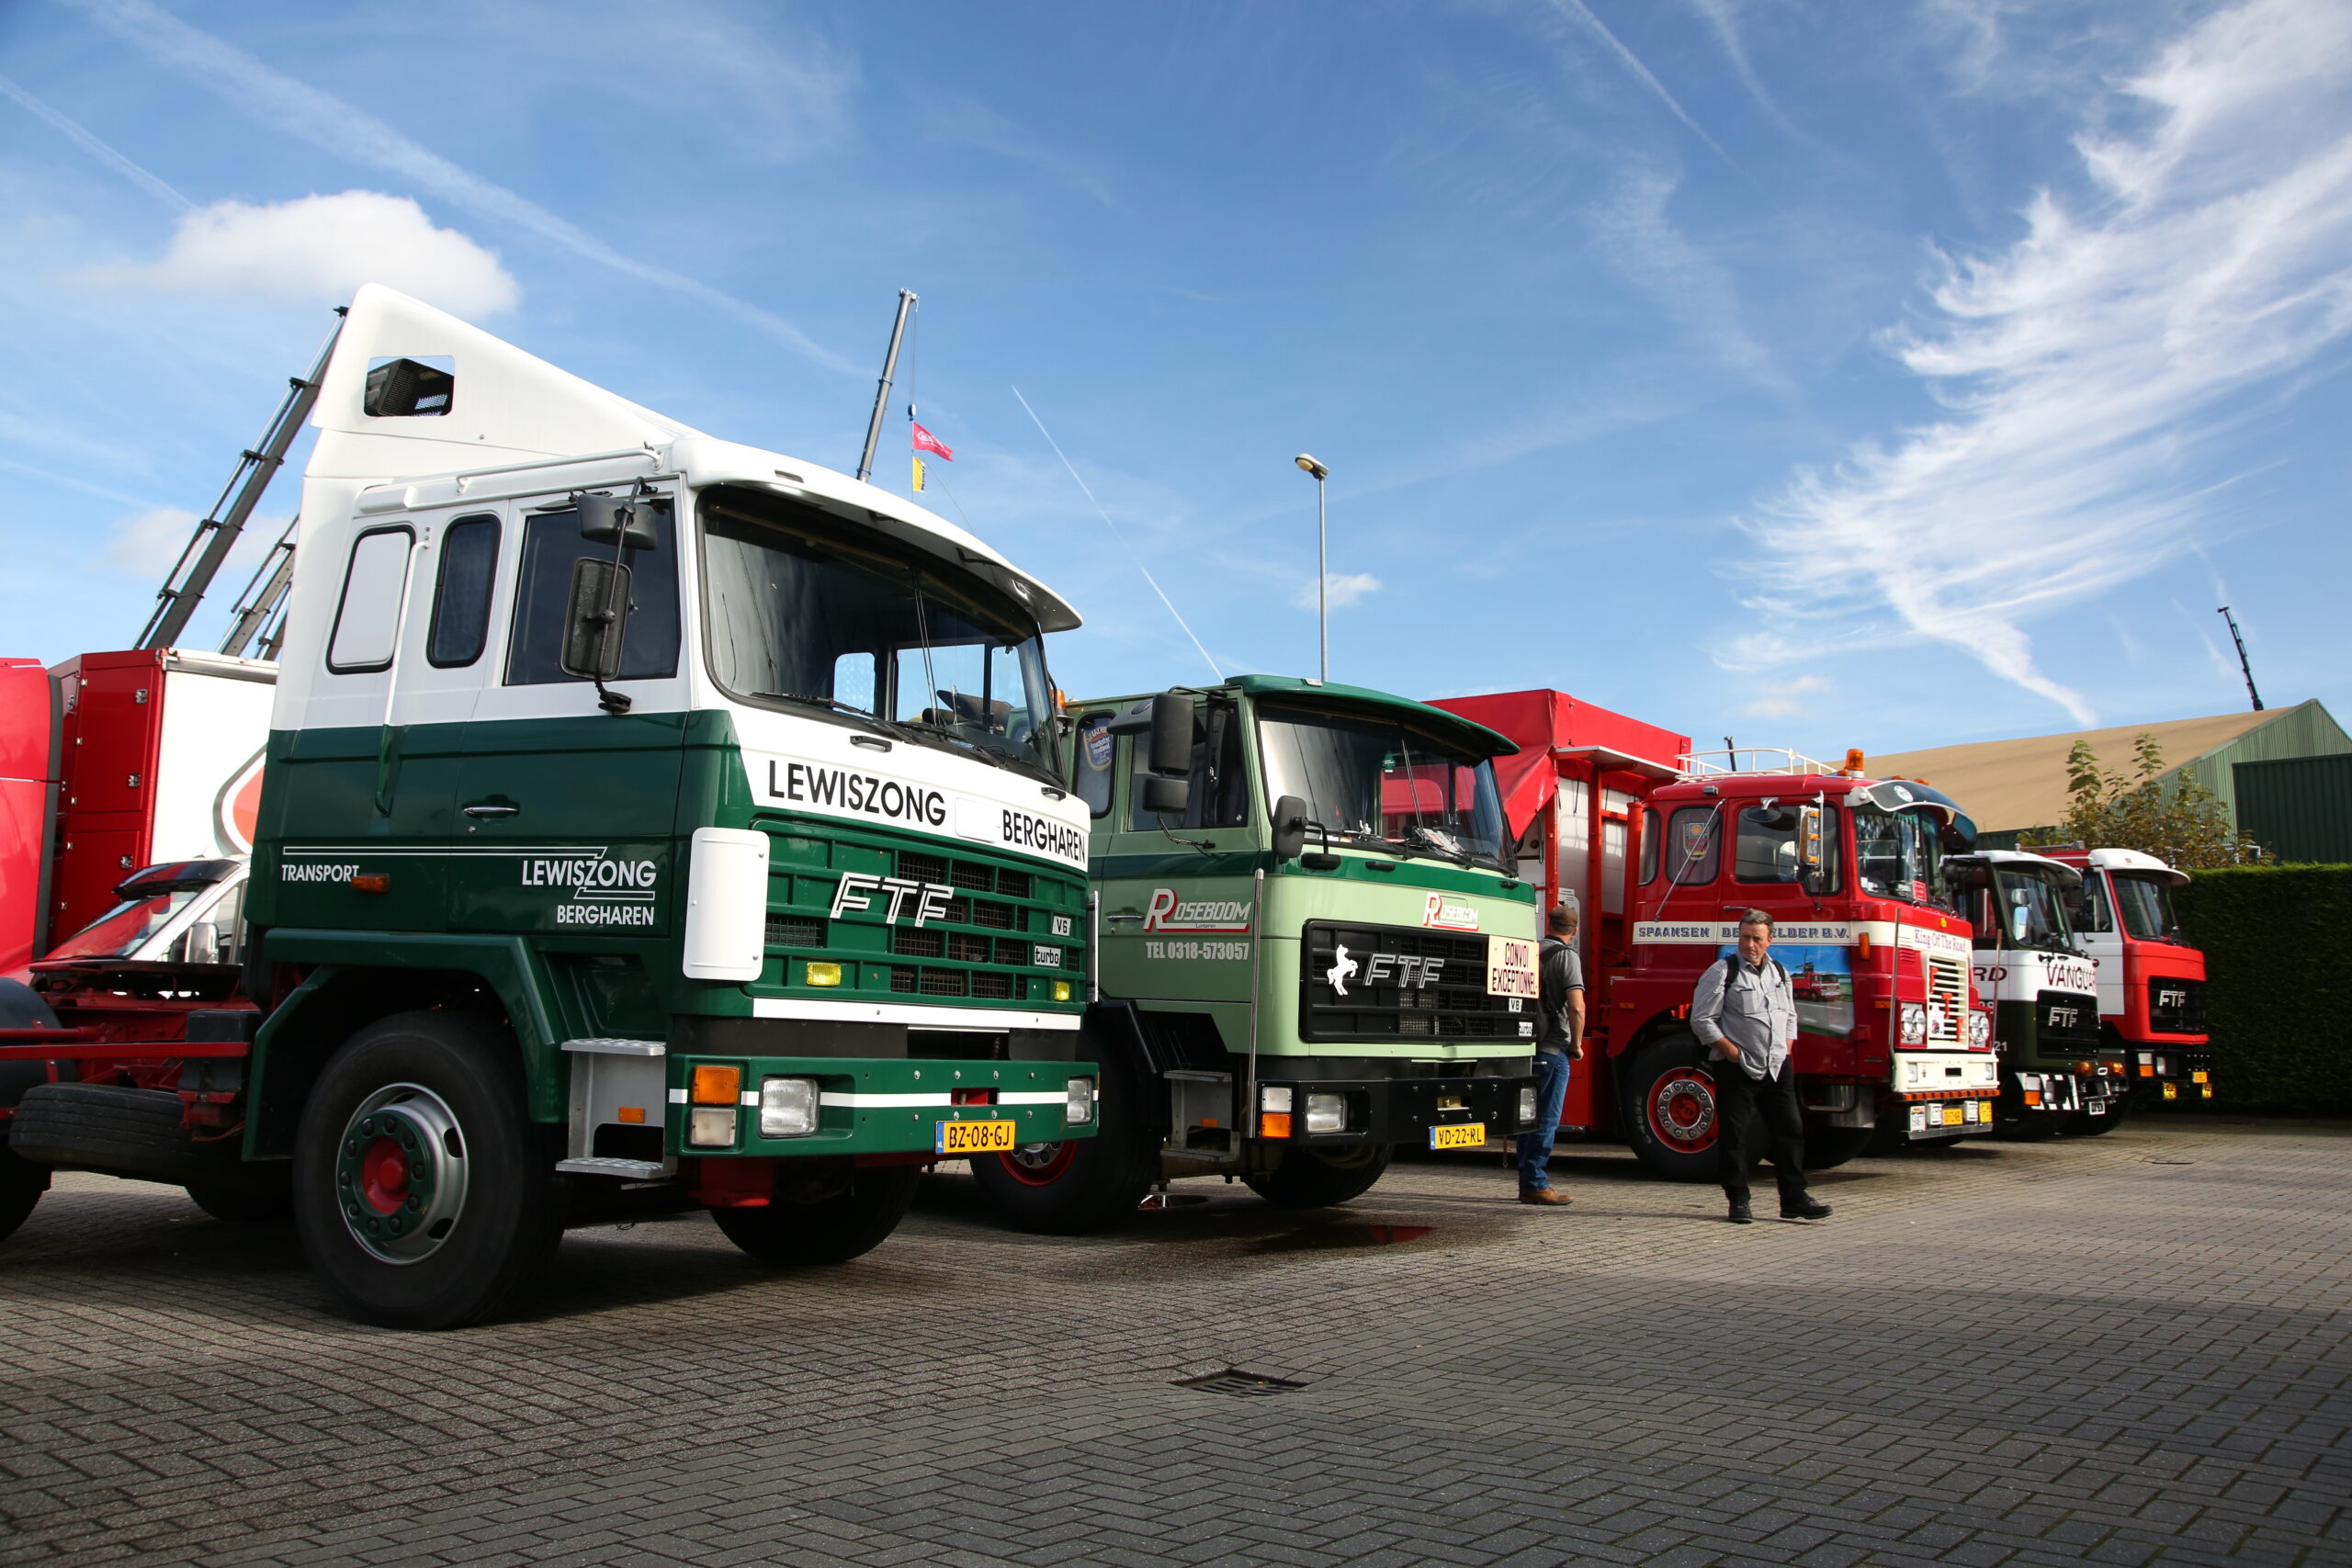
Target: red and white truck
{"points": [[1662, 849], [2150, 981]]}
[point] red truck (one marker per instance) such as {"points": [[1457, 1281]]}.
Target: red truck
{"points": [[2150, 981], [1662, 849]]}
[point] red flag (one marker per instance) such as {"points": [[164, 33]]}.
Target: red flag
{"points": [[926, 442]]}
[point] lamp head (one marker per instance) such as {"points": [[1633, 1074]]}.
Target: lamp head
{"points": [[1311, 466]]}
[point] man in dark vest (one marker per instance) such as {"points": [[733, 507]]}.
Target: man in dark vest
{"points": [[1745, 1012], [1560, 1000]]}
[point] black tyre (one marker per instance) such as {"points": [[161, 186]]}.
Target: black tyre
{"points": [[2083, 1124], [21, 1185], [848, 1224], [1081, 1184], [265, 1201], [422, 1189], [1832, 1147], [1309, 1179], [1666, 1103]]}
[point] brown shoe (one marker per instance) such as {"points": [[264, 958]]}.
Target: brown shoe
{"points": [[1544, 1196]]}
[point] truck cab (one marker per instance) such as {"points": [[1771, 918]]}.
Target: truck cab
{"points": [[1313, 947], [2150, 981], [2055, 1067]]}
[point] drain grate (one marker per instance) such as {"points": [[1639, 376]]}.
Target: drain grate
{"points": [[1240, 1385]]}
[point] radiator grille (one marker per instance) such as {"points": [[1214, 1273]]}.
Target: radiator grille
{"points": [[796, 930], [2176, 1007], [1947, 998], [1394, 982]]}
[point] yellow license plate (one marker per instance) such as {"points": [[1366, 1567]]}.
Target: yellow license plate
{"points": [[1459, 1135], [1952, 1115], [2198, 1077], [976, 1137]]}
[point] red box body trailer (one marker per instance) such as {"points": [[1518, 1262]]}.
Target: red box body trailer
{"points": [[1662, 849]]}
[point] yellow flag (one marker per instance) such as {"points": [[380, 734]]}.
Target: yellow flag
{"points": [[918, 473]]}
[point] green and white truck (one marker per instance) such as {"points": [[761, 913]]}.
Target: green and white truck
{"points": [[647, 819], [1312, 948], [2056, 1069]]}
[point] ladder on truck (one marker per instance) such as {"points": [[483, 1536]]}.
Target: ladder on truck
{"points": [[258, 622]]}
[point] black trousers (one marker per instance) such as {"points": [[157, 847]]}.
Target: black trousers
{"points": [[1754, 1113]]}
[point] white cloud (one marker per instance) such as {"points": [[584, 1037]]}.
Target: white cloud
{"points": [[146, 543], [1783, 699], [322, 248], [1344, 588], [2088, 370]]}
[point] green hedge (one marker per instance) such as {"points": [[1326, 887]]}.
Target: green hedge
{"points": [[2278, 967]]}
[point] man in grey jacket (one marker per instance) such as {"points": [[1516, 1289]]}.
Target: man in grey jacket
{"points": [[1745, 1012]]}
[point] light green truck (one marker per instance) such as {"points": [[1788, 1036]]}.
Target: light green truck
{"points": [[1312, 948]]}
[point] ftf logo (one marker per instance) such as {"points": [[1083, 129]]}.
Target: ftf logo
{"points": [[1408, 971], [858, 889]]}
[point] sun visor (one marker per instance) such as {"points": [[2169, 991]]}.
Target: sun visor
{"points": [[412, 390]]}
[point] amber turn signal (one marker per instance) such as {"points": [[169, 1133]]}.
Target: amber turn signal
{"points": [[371, 882], [717, 1086], [1275, 1124], [632, 1114]]}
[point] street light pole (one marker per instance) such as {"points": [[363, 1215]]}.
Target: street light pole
{"points": [[1322, 558]]}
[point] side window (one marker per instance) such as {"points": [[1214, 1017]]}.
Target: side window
{"points": [[1095, 750], [2097, 914], [1220, 794], [461, 595], [552, 542], [1766, 847], [368, 621], [1649, 846], [1694, 846]]}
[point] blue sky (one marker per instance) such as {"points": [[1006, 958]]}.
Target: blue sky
{"points": [[1878, 374]]}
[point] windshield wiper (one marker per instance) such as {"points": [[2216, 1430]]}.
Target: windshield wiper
{"points": [[1005, 760], [1426, 838], [875, 719]]}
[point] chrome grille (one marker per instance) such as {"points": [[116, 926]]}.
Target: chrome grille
{"points": [[1947, 998]]}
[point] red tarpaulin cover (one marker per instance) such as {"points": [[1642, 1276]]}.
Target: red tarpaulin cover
{"points": [[1543, 719]]}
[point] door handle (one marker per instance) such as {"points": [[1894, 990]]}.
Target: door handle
{"points": [[1125, 915], [492, 810]]}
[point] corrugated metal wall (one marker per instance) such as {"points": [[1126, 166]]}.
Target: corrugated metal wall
{"points": [[2300, 808], [2307, 729]]}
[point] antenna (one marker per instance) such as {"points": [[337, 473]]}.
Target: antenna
{"points": [[882, 392], [2243, 665]]}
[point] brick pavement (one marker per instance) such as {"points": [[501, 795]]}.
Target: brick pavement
{"points": [[2127, 1350]]}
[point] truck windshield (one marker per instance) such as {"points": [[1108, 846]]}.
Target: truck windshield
{"points": [[1371, 779], [1897, 854], [2146, 905], [120, 931], [2032, 910], [796, 616]]}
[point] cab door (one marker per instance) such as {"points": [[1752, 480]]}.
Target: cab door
{"points": [[1180, 916]]}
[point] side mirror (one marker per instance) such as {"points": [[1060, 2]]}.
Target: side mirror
{"points": [[1809, 848], [1290, 827], [1171, 734], [594, 619], [2019, 922], [608, 520], [1166, 797], [202, 944]]}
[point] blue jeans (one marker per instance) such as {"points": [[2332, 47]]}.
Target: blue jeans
{"points": [[1551, 1093]]}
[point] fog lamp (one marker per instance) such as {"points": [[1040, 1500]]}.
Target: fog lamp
{"points": [[1327, 1114], [711, 1126], [821, 973], [1527, 1105], [1078, 1111], [1061, 990], [2172, 1091], [788, 1107]]}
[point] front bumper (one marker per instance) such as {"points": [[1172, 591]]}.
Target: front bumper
{"points": [[2167, 1072], [2066, 1093], [864, 1107], [1398, 1111], [1929, 1120]]}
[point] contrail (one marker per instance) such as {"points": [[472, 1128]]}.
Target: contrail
{"points": [[1576, 10], [1116, 535], [328, 123], [97, 149]]}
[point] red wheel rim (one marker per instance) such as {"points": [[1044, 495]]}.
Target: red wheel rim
{"points": [[1682, 1108], [383, 1175], [1039, 1165]]}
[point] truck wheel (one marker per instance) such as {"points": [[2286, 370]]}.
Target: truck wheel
{"points": [[1833, 1147], [842, 1227], [1079, 1185], [1667, 1105], [1307, 1178], [266, 1202], [422, 1192], [21, 1184]]}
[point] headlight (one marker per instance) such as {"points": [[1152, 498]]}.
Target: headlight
{"points": [[1527, 1104], [711, 1126], [1327, 1114], [788, 1107], [1980, 1030], [1078, 1111], [1915, 1023]]}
